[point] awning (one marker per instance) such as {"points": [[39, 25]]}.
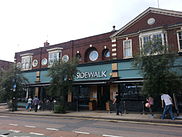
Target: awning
{"points": [[127, 81], [90, 83]]}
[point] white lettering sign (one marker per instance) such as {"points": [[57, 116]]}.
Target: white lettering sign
{"points": [[86, 75]]}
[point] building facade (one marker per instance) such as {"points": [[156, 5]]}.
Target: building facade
{"points": [[5, 64], [105, 60]]}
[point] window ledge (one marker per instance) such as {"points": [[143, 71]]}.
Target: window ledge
{"points": [[127, 57]]}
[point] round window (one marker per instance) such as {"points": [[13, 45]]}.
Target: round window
{"points": [[65, 58], [151, 21], [44, 61], [106, 53], [93, 55], [35, 63]]}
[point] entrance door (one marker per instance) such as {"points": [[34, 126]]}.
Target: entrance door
{"points": [[102, 96], [81, 96]]}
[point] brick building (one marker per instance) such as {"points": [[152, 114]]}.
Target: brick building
{"points": [[105, 60], [5, 64]]}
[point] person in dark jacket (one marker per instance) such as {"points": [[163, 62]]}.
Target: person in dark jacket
{"points": [[36, 103], [117, 101]]}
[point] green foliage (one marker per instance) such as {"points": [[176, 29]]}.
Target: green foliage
{"points": [[11, 77], [62, 75], [59, 109], [155, 64]]}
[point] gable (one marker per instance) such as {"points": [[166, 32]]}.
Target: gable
{"points": [[151, 19]]}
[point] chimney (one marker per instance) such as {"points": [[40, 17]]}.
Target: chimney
{"points": [[46, 44], [113, 28]]}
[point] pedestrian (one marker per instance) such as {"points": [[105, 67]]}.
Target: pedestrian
{"points": [[36, 103], [167, 100], [117, 102], [29, 104], [149, 104]]}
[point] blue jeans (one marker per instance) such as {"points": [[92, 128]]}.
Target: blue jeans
{"points": [[29, 106], [166, 109]]}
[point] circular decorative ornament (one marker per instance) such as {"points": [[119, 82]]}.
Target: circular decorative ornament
{"points": [[44, 61], [93, 55], [18, 65], [35, 63], [65, 58], [151, 21]]}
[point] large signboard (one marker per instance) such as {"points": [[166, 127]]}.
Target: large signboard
{"points": [[95, 72], [87, 75]]}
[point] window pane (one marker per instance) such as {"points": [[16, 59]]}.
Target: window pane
{"points": [[180, 35], [127, 48], [26, 62], [53, 56], [146, 39], [180, 42]]}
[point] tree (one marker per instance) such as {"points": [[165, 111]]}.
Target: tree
{"points": [[12, 84], [155, 64], [62, 75]]}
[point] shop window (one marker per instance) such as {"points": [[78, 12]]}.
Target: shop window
{"points": [[26, 62], [127, 48], [179, 34], [130, 90]]}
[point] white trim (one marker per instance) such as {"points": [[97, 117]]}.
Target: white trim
{"points": [[152, 10], [113, 45], [58, 49], [114, 49], [26, 54], [114, 54], [113, 40], [179, 49]]}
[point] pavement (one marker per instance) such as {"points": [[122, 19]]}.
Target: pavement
{"points": [[99, 115]]}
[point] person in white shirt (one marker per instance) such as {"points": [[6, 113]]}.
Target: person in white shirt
{"points": [[29, 104], [167, 100]]}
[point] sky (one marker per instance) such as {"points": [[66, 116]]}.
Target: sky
{"points": [[27, 24]]}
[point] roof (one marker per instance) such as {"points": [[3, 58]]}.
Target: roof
{"points": [[149, 10]]}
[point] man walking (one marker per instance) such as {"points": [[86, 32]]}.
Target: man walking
{"points": [[117, 101], [36, 103], [165, 98]]}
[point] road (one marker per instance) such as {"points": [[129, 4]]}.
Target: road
{"points": [[46, 126]]}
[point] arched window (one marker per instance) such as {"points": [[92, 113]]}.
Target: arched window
{"points": [[105, 54], [78, 56], [91, 55]]}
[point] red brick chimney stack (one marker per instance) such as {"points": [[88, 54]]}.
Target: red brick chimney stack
{"points": [[46, 44]]}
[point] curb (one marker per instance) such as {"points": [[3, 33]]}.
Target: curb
{"points": [[166, 121]]}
